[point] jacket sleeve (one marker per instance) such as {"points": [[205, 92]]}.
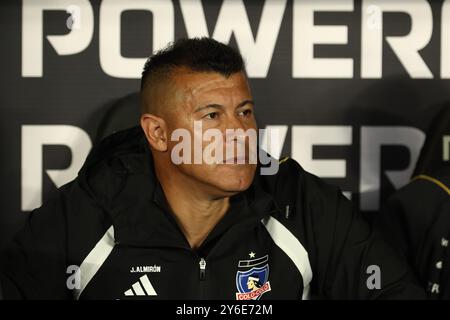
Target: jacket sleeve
{"points": [[350, 260], [33, 266], [402, 225]]}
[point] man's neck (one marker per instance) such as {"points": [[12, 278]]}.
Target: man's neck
{"points": [[196, 213]]}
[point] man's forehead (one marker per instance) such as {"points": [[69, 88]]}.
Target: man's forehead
{"points": [[196, 83]]}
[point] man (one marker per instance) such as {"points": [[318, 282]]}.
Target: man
{"points": [[137, 222]]}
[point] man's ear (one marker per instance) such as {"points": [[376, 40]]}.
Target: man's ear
{"points": [[155, 130]]}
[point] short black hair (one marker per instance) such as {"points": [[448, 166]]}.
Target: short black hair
{"points": [[198, 54]]}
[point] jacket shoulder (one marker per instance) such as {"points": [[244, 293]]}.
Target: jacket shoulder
{"points": [[292, 173], [293, 186]]}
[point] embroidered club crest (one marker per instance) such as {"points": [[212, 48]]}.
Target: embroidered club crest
{"points": [[252, 278]]}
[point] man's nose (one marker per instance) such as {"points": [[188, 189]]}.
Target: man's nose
{"points": [[233, 123]]}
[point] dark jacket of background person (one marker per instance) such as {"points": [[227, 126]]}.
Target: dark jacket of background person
{"points": [[416, 221]]}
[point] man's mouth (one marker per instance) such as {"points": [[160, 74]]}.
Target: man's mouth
{"points": [[236, 160]]}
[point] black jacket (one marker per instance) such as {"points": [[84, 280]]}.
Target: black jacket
{"points": [[416, 220], [288, 236]]}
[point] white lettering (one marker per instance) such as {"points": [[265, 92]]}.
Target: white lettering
{"points": [[306, 35], [73, 42], [34, 137]]}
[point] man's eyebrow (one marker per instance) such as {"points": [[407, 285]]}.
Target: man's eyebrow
{"points": [[212, 105], [243, 103], [220, 107]]}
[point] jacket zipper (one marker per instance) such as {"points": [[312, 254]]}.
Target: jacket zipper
{"points": [[202, 269], [202, 264]]}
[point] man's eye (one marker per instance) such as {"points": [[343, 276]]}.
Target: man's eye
{"points": [[246, 112], [212, 116]]}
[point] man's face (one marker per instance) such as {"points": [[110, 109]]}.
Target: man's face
{"points": [[217, 102], [250, 284]]}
